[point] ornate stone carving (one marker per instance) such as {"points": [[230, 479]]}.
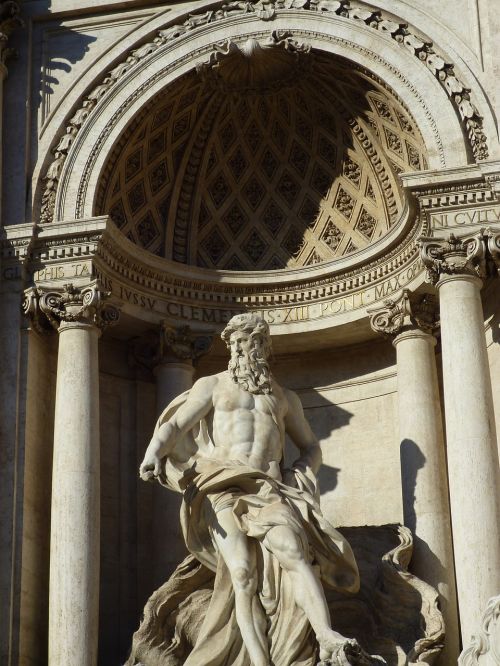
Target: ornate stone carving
{"points": [[400, 32], [484, 649], [169, 344], [408, 312], [256, 66], [9, 20], [85, 305], [493, 240], [403, 610], [453, 255]]}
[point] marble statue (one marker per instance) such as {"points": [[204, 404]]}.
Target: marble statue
{"points": [[247, 518]]}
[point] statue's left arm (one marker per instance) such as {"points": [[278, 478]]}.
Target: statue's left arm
{"points": [[299, 430]]}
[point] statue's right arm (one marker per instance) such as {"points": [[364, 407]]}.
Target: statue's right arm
{"points": [[198, 404]]}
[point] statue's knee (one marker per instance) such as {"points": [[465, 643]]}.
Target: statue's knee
{"points": [[242, 578]]}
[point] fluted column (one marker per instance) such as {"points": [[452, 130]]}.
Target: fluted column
{"points": [[456, 266], [79, 316], [171, 354], [410, 321]]}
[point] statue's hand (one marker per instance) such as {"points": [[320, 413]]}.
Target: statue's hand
{"points": [[150, 468]]}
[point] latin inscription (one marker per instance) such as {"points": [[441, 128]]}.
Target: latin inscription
{"points": [[286, 315], [464, 218]]}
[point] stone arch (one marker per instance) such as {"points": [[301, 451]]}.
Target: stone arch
{"points": [[78, 174]]}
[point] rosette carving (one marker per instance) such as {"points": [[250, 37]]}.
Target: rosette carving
{"points": [[454, 256], [408, 312], [86, 305]]}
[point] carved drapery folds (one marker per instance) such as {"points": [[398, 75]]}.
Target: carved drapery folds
{"points": [[168, 345], [408, 312], [484, 648], [74, 305]]}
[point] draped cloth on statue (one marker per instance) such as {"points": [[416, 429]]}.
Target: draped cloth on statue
{"points": [[258, 503]]}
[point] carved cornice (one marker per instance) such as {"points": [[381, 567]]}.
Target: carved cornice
{"points": [[408, 312], [73, 305], [169, 345], [454, 256], [486, 643], [375, 19]]}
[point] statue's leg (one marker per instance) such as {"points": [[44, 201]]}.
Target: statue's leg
{"points": [[239, 555], [307, 589]]}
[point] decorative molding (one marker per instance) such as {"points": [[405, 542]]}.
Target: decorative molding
{"points": [[453, 256], [82, 305], [408, 312], [484, 649], [375, 19]]}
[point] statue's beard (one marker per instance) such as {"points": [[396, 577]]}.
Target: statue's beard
{"points": [[250, 372]]}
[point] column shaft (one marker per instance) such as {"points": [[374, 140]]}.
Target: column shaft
{"points": [[75, 519], [424, 479], [472, 448], [169, 550]]}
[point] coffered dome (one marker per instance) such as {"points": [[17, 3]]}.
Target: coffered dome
{"points": [[255, 171]]}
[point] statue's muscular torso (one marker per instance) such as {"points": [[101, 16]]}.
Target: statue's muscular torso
{"points": [[248, 427]]}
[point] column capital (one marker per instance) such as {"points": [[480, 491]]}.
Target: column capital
{"points": [[452, 256], [169, 344], [410, 312], [9, 20], [493, 241], [72, 307]]}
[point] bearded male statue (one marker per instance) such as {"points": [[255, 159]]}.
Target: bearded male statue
{"points": [[256, 525]]}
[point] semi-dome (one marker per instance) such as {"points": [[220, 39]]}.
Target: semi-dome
{"points": [[269, 156]]}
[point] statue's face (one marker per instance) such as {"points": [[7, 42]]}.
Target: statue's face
{"points": [[242, 343]]}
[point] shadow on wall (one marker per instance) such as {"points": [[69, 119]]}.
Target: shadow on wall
{"points": [[324, 418]]}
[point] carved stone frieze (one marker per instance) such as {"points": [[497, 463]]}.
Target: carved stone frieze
{"points": [[454, 256], [484, 648], [408, 312], [400, 32], [82, 305]]}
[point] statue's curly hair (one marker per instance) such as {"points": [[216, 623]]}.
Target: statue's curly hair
{"points": [[248, 322]]}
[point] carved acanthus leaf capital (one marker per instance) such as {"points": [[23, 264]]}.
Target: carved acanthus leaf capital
{"points": [[10, 19], [454, 256], [84, 305], [408, 312], [169, 345], [493, 240]]}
